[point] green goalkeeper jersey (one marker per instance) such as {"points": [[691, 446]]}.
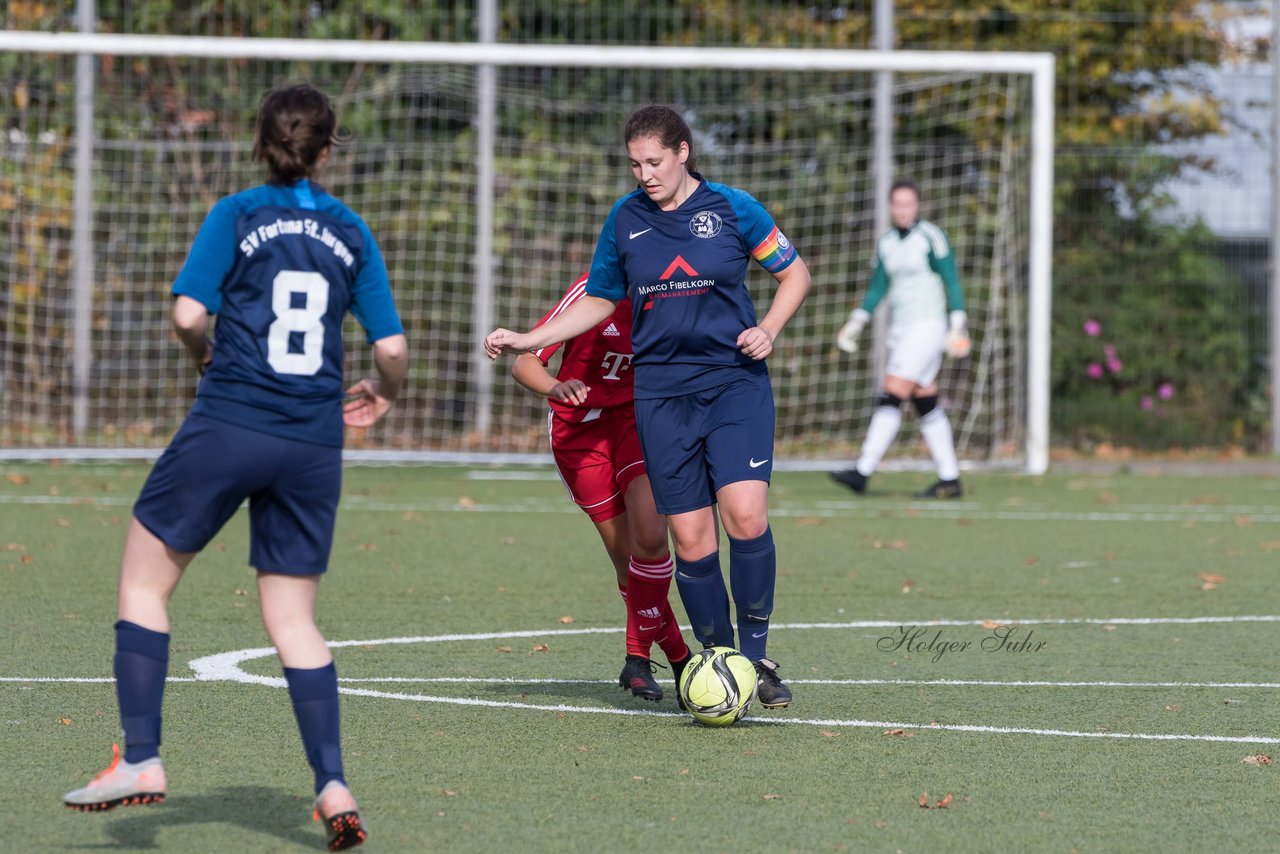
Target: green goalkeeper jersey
{"points": [[916, 270]]}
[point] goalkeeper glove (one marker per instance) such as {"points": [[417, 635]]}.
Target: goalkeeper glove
{"points": [[847, 337], [958, 344]]}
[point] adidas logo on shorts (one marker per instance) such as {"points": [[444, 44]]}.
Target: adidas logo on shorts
{"points": [[611, 331]]}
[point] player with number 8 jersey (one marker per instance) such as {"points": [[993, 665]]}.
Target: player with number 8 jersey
{"points": [[280, 265]]}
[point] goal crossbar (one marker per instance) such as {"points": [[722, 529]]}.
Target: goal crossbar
{"points": [[1040, 67], [468, 53]]}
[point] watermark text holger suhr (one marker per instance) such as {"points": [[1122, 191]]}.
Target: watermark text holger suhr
{"points": [[930, 640]]}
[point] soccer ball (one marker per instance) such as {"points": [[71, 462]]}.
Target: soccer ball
{"points": [[718, 685]]}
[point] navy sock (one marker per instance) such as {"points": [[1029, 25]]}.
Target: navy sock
{"points": [[753, 568], [141, 665], [314, 694], [705, 599]]}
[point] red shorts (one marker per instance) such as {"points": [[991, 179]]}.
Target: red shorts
{"points": [[598, 459]]}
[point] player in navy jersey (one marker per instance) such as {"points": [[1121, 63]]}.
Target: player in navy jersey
{"points": [[678, 246], [280, 265], [597, 452]]}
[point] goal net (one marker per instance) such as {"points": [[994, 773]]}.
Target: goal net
{"points": [[485, 173]]}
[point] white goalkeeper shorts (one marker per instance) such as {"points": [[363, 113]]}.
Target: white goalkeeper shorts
{"points": [[915, 350]]}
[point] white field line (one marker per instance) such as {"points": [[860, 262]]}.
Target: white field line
{"points": [[513, 474], [819, 509], [1238, 509], [226, 667], [83, 679], [986, 683], [831, 722], [249, 654], [511, 680], [86, 500], [217, 662], [857, 510]]}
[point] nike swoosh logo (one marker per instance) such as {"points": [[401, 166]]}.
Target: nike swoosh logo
{"points": [[755, 465], [634, 234], [762, 634], [648, 628]]}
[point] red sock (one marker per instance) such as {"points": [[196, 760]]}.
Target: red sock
{"points": [[670, 640], [647, 584]]}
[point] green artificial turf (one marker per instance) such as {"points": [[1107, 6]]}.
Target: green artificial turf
{"points": [[536, 757]]}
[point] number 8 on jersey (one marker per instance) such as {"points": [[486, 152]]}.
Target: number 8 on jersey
{"points": [[306, 321]]}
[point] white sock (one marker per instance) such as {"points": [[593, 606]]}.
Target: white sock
{"points": [[936, 430], [885, 422]]}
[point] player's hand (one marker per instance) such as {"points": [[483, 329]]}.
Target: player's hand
{"points": [[572, 392], [847, 337], [756, 342], [958, 344], [501, 341], [203, 363], [368, 406]]}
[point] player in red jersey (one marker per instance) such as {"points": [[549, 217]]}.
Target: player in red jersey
{"points": [[597, 452]]}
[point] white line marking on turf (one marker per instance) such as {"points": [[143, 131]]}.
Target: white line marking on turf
{"points": [[850, 511], [499, 474], [1068, 621], [87, 500], [226, 667], [511, 680], [864, 724], [215, 667], [821, 509], [988, 683], [77, 679]]}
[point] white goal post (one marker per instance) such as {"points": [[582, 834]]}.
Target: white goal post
{"points": [[1037, 68]]}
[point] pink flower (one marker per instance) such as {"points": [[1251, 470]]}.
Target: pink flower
{"points": [[1114, 365], [1146, 403], [1094, 371], [1109, 351], [1092, 328], [1165, 391]]}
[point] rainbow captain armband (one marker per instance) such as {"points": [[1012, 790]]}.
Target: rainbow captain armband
{"points": [[775, 252]]}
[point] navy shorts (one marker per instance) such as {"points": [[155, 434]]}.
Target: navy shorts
{"points": [[211, 467], [697, 443]]}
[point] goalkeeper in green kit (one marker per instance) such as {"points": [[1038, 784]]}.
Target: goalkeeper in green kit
{"points": [[916, 271]]}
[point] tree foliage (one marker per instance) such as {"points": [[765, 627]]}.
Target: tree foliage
{"points": [[1128, 80]]}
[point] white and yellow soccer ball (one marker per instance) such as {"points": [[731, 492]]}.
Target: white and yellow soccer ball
{"points": [[718, 686]]}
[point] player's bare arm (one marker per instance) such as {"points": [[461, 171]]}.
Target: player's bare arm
{"points": [[529, 371], [793, 286], [191, 324], [583, 315], [373, 397]]}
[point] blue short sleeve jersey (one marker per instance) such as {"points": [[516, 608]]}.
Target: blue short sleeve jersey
{"points": [[686, 274], [280, 266]]}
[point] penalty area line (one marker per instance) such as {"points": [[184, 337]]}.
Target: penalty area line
{"points": [[84, 679], [832, 722], [227, 666], [820, 509], [943, 683], [513, 680]]}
